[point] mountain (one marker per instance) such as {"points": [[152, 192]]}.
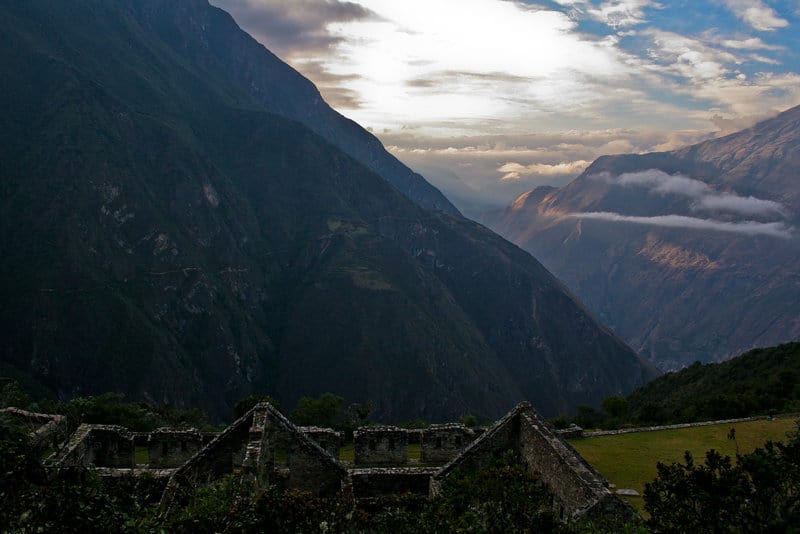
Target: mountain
{"points": [[689, 255], [756, 383], [183, 220]]}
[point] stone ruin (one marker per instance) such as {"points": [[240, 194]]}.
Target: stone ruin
{"points": [[442, 443], [44, 430], [266, 447], [578, 489], [380, 445], [172, 448], [99, 446], [327, 438]]}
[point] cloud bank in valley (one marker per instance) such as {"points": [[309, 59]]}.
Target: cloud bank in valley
{"points": [[702, 197], [750, 228]]}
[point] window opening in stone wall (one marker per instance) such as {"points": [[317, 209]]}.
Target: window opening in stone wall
{"points": [[164, 448], [458, 441], [184, 447], [373, 445], [439, 442], [391, 444]]}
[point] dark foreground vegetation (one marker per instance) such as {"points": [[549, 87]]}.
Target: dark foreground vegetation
{"points": [[755, 492]]}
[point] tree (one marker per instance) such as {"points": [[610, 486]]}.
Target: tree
{"points": [[616, 406], [317, 412]]}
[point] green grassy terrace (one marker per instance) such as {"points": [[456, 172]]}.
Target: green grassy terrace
{"points": [[629, 460]]}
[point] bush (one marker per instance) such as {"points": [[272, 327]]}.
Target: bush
{"points": [[759, 492]]}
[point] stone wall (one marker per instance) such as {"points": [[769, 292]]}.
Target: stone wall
{"points": [[576, 488], [380, 482], [669, 427], [172, 448], [44, 430], [442, 443], [380, 445], [262, 444], [327, 438], [99, 446]]}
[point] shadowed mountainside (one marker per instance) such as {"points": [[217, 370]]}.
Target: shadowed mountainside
{"points": [[172, 232]]}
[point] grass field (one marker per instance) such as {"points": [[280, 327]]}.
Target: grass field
{"points": [[347, 453], [629, 460]]}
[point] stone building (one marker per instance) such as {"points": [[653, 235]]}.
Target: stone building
{"points": [[167, 447], [327, 438], [442, 443], [99, 446], [268, 448], [578, 489], [380, 445]]}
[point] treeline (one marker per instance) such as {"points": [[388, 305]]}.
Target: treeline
{"points": [[759, 382]]}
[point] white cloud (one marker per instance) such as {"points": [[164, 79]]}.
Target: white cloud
{"points": [[733, 203], [515, 171], [471, 59], [689, 58], [751, 228], [622, 13], [449, 70], [751, 43], [757, 14], [703, 197]]}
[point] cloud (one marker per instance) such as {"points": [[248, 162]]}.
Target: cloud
{"points": [[476, 76], [622, 13], [733, 203], [750, 228], [703, 197], [757, 14], [298, 25], [751, 43], [515, 171]]}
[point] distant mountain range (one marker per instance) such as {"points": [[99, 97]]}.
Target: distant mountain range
{"points": [[184, 220], [689, 255]]}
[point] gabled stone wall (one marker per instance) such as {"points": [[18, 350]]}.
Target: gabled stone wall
{"points": [[327, 438], [99, 446], [44, 430], [380, 445]]}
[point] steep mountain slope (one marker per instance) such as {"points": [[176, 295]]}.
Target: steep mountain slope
{"points": [[242, 69], [754, 383], [689, 255], [167, 235]]}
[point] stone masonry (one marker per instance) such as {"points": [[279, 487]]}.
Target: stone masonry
{"points": [[172, 448], [380, 445], [442, 443], [327, 438], [99, 446], [266, 447]]}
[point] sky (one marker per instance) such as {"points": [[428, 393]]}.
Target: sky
{"points": [[491, 98]]}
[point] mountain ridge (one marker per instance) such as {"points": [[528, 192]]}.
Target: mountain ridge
{"points": [[171, 238], [689, 254]]}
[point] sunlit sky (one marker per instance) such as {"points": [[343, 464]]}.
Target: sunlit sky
{"points": [[490, 98]]}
